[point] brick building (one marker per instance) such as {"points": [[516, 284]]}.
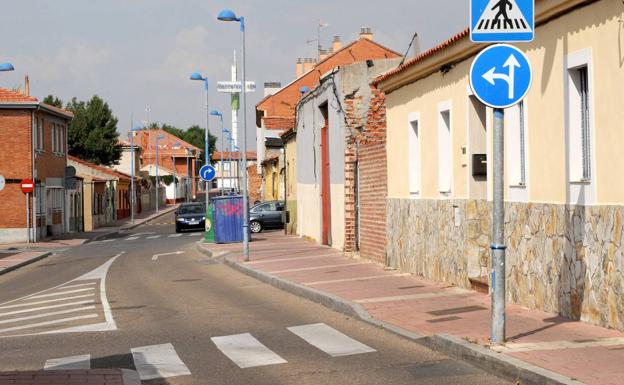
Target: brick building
{"points": [[33, 145]]}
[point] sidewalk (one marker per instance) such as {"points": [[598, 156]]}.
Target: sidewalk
{"points": [[428, 312], [16, 255], [49, 377]]}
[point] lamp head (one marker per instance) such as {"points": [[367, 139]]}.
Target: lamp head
{"points": [[304, 90], [215, 113], [227, 15], [197, 76], [6, 67], [137, 128]]}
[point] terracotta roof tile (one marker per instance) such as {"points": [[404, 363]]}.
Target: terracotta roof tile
{"points": [[9, 96], [251, 155], [103, 169]]}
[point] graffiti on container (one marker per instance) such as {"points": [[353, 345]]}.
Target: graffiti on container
{"points": [[230, 208]]}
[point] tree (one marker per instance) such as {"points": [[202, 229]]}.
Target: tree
{"points": [[93, 134], [193, 135], [53, 101]]}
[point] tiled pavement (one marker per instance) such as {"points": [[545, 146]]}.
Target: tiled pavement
{"points": [[62, 377], [577, 350]]}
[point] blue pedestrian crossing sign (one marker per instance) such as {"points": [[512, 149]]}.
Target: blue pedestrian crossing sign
{"points": [[502, 21], [501, 76], [207, 173]]}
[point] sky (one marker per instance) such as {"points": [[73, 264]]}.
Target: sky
{"points": [[139, 53]]}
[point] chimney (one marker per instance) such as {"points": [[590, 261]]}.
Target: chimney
{"points": [[299, 68], [271, 87], [366, 33], [323, 54], [27, 86], [308, 64], [336, 44]]}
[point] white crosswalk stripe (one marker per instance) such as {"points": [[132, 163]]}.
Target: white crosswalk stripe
{"points": [[330, 340], [195, 234], [132, 238], [67, 363], [153, 237], [158, 361], [246, 351], [175, 235]]}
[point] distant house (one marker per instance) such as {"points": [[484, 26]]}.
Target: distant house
{"points": [[227, 165], [33, 145]]}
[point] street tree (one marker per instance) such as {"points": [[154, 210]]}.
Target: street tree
{"points": [[53, 101], [93, 134]]}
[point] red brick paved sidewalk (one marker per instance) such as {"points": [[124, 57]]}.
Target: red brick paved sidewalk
{"points": [[63, 377], [577, 350]]}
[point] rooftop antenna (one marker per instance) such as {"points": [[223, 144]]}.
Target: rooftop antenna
{"points": [[319, 48], [409, 47]]}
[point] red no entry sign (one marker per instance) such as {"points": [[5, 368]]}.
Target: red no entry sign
{"points": [[27, 186]]}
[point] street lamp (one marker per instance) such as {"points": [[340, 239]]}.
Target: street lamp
{"points": [[175, 184], [220, 115], [198, 76], [6, 67], [158, 138], [132, 192], [228, 15]]}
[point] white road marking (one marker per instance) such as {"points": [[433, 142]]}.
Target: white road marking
{"points": [[63, 293], [330, 340], [68, 363], [109, 240], [132, 238], [47, 301], [175, 235], [46, 323], [153, 237], [78, 285], [356, 279], [155, 256], [195, 234], [158, 361], [246, 351], [47, 307], [44, 315], [446, 293], [318, 267]]}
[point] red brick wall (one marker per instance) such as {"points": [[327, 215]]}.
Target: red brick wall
{"points": [[15, 163], [254, 182]]}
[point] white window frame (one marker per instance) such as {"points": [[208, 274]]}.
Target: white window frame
{"points": [[39, 135], [414, 155], [581, 190], [445, 150], [516, 151]]}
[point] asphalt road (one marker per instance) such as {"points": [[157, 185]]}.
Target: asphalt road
{"points": [[185, 319]]}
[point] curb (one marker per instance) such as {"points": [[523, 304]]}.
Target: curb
{"points": [[27, 262], [495, 363], [133, 226]]}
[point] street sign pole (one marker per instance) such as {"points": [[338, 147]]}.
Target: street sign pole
{"points": [[498, 231], [28, 215]]}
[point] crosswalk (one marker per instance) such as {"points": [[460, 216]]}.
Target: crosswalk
{"points": [[79, 305], [137, 237], [244, 350]]}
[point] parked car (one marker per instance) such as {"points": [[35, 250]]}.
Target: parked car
{"points": [[190, 216], [266, 215]]}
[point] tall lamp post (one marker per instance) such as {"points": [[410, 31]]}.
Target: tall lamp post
{"points": [[198, 76], [220, 115], [228, 15], [6, 67], [175, 183], [132, 191], [158, 138]]}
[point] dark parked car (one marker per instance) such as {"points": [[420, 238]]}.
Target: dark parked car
{"points": [[266, 215], [190, 216]]}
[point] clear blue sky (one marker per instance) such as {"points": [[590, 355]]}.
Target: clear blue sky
{"points": [[138, 53]]}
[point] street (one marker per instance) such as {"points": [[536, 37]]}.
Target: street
{"points": [[146, 300]]}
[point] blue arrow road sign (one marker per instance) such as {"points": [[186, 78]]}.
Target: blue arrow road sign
{"points": [[500, 76], [502, 21], [207, 173]]}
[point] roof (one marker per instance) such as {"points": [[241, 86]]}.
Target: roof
{"points": [[217, 155], [102, 169], [16, 98], [270, 158], [288, 134], [282, 103], [274, 142], [169, 140], [413, 61]]}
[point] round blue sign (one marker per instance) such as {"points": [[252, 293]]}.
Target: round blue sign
{"points": [[207, 173], [501, 76]]}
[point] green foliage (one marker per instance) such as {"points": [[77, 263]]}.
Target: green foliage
{"points": [[93, 134], [168, 179], [53, 101], [193, 135]]}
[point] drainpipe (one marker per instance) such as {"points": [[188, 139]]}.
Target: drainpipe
{"points": [[32, 176]]}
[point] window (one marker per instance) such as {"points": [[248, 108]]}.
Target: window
{"points": [[579, 120], [57, 199], [39, 143], [445, 156], [414, 155], [226, 166], [515, 134]]}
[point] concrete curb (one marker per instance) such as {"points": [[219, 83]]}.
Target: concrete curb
{"points": [[496, 363], [27, 262], [130, 377]]}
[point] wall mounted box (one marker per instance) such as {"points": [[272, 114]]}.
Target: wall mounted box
{"points": [[479, 164]]}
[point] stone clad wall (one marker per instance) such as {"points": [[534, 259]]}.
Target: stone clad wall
{"points": [[560, 259]]}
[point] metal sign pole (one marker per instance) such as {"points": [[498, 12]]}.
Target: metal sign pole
{"points": [[28, 215], [498, 232]]}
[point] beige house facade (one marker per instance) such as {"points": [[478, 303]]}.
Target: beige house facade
{"points": [[564, 197]]}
